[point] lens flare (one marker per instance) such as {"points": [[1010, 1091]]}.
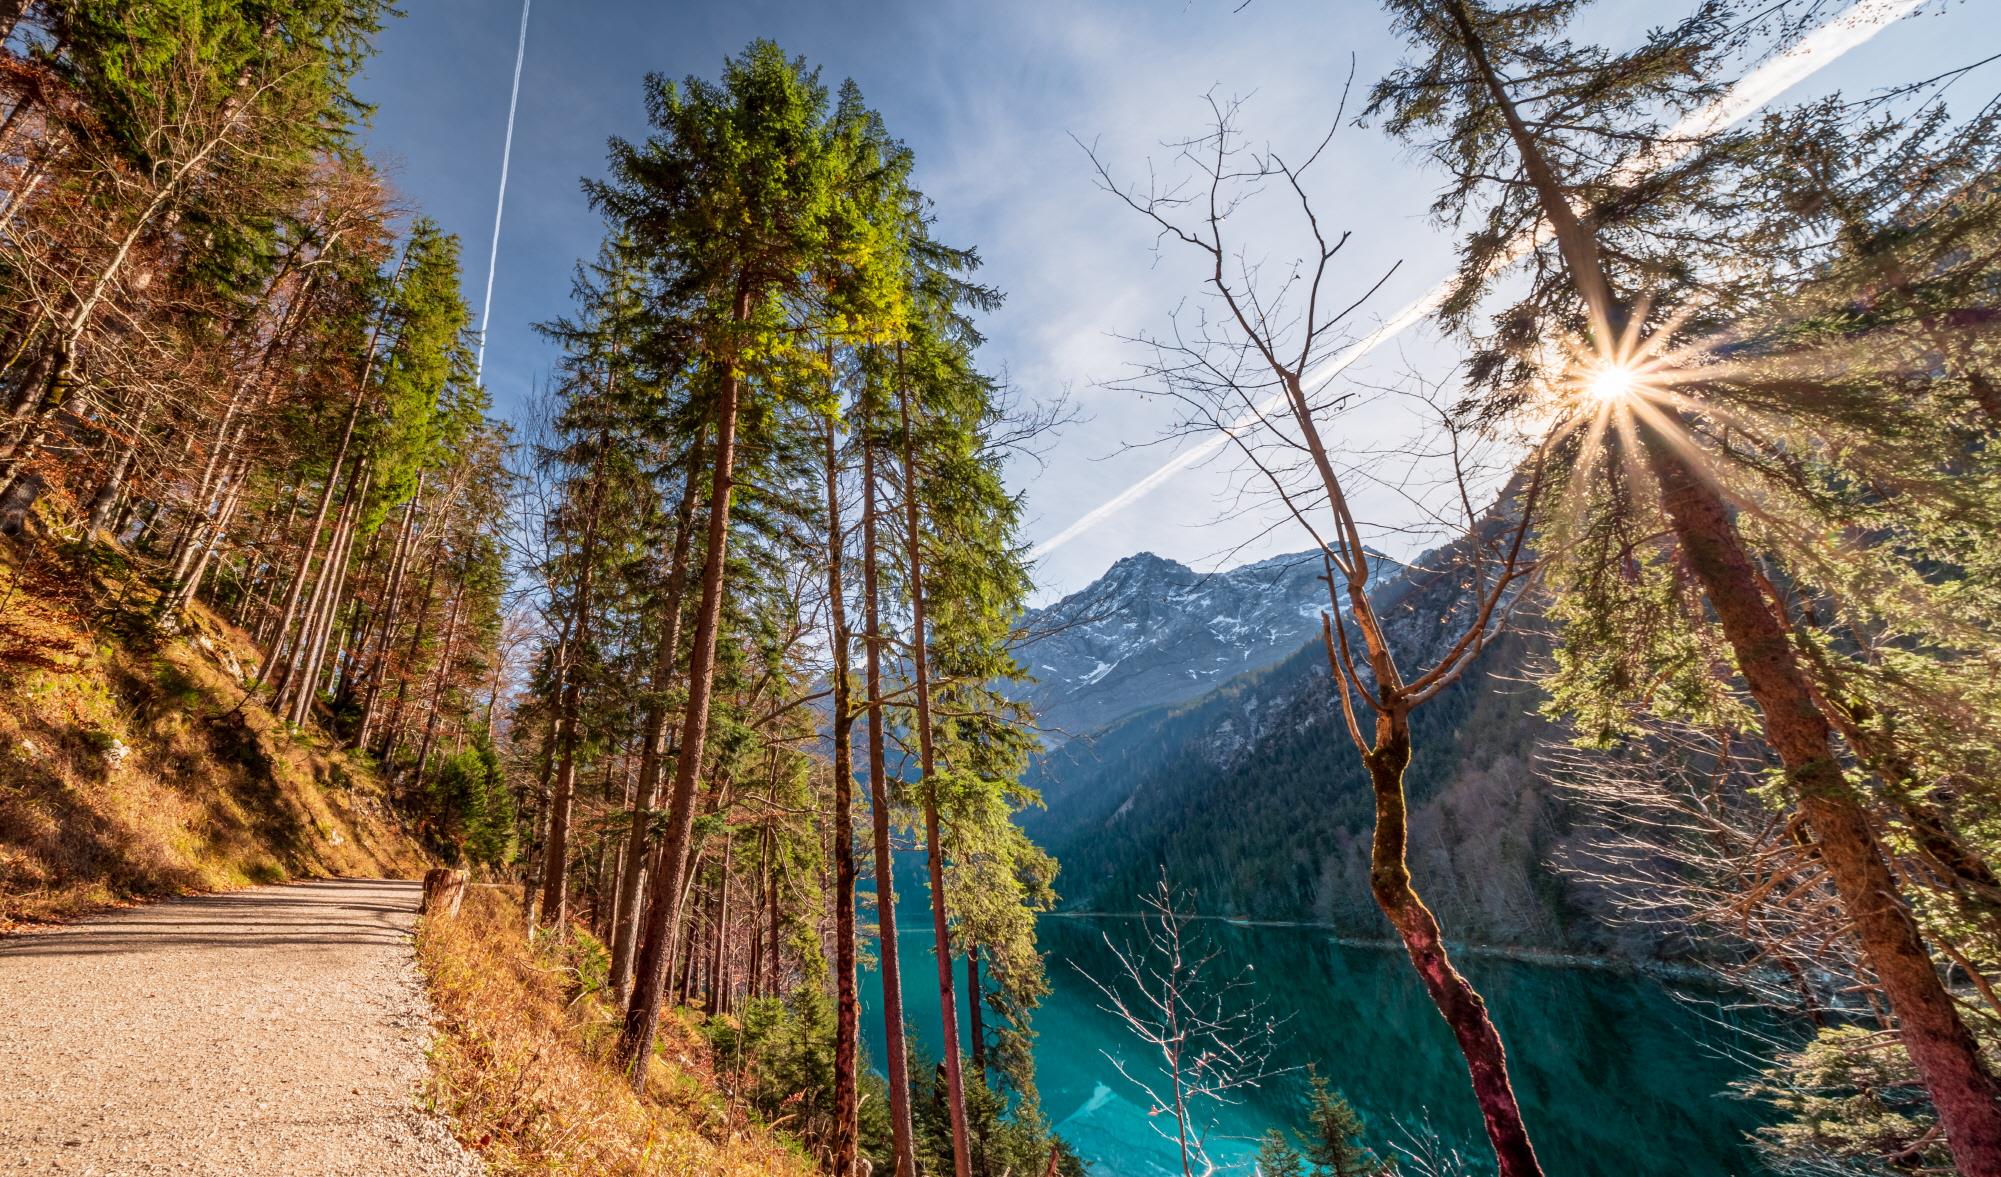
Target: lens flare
{"points": [[1611, 383]]}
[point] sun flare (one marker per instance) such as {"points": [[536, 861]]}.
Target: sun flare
{"points": [[1611, 383]]}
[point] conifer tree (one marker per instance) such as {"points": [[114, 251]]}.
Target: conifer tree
{"points": [[1335, 1132], [731, 242], [1575, 138], [1276, 1157]]}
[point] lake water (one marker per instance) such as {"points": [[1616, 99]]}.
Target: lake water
{"points": [[1618, 1075]]}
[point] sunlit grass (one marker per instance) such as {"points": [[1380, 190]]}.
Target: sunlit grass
{"points": [[524, 1067]]}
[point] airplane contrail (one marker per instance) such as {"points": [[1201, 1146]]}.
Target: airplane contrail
{"points": [[1805, 57], [500, 202]]}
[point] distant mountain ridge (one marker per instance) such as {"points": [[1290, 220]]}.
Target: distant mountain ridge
{"points": [[1153, 631], [1246, 788]]}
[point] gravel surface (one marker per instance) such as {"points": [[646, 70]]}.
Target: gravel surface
{"points": [[279, 1030]]}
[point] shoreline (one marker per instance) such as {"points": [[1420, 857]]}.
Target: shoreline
{"points": [[1548, 957]]}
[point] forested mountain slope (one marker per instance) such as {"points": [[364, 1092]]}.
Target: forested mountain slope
{"points": [[1252, 796]]}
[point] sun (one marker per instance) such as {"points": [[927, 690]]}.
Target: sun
{"points": [[1611, 383]]}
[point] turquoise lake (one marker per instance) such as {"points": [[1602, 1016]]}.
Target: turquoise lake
{"points": [[1619, 1075]]}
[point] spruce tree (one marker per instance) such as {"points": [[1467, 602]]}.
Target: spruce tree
{"points": [[728, 201]]}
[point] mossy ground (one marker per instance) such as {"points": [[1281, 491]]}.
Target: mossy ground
{"points": [[132, 766]]}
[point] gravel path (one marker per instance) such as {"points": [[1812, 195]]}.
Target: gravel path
{"points": [[279, 1030]]}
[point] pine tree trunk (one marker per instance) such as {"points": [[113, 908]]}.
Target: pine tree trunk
{"points": [[897, 1064], [376, 663], [774, 961], [187, 581], [392, 732], [847, 999], [555, 907], [305, 674], [920, 659], [302, 608], [352, 636], [562, 801], [268, 578], [1946, 1056], [223, 460], [113, 486], [976, 1030], [444, 681], [635, 1046], [106, 498], [276, 659], [285, 685], [760, 912], [531, 877], [652, 747], [278, 642], [719, 989]]}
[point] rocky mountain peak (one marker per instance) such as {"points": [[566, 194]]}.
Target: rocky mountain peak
{"points": [[1152, 630]]}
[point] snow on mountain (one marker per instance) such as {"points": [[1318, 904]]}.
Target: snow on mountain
{"points": [[1152, 631]]}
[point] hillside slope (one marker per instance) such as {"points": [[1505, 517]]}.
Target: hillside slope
{"points": [[524, 1066], [131, 766]]}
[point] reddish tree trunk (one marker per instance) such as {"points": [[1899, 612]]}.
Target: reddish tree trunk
{"points": [[643, 1011], [897, 1065], [377, 660], [1941, 1048], [934, 852], [976, 1030], [653, 739], [1463, 1009], [554, 905], [847, 999]]}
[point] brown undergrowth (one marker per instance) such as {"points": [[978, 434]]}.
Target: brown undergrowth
{"points": [[523, 1063], [132, 766]]}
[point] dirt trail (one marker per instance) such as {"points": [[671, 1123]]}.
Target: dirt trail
{"points": [[279, 1030]]}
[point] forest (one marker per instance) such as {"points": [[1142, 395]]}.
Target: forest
{"points": [[669, 668]]}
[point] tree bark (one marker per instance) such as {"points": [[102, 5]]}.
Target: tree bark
{"points": [[376, 660], [635, 1045], [392, 731], [719, 983], [444, 680], [934, 853], [304, 676], [108, 492], [1946, 1056], [652, 748], [897, 1064], [1462, 1008], [278, 641], [555, 907], [531, 876], [847, 999], [444, 892], [773, 924], [976, 1031]]}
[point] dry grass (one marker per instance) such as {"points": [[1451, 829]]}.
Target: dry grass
{"points": [[523, 1064], [128, 770]]}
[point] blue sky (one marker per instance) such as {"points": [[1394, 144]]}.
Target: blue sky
{"points": [[989, 97]]}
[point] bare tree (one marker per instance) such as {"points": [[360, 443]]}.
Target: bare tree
{"points": [[1254, 363], [1214, 1040]]}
